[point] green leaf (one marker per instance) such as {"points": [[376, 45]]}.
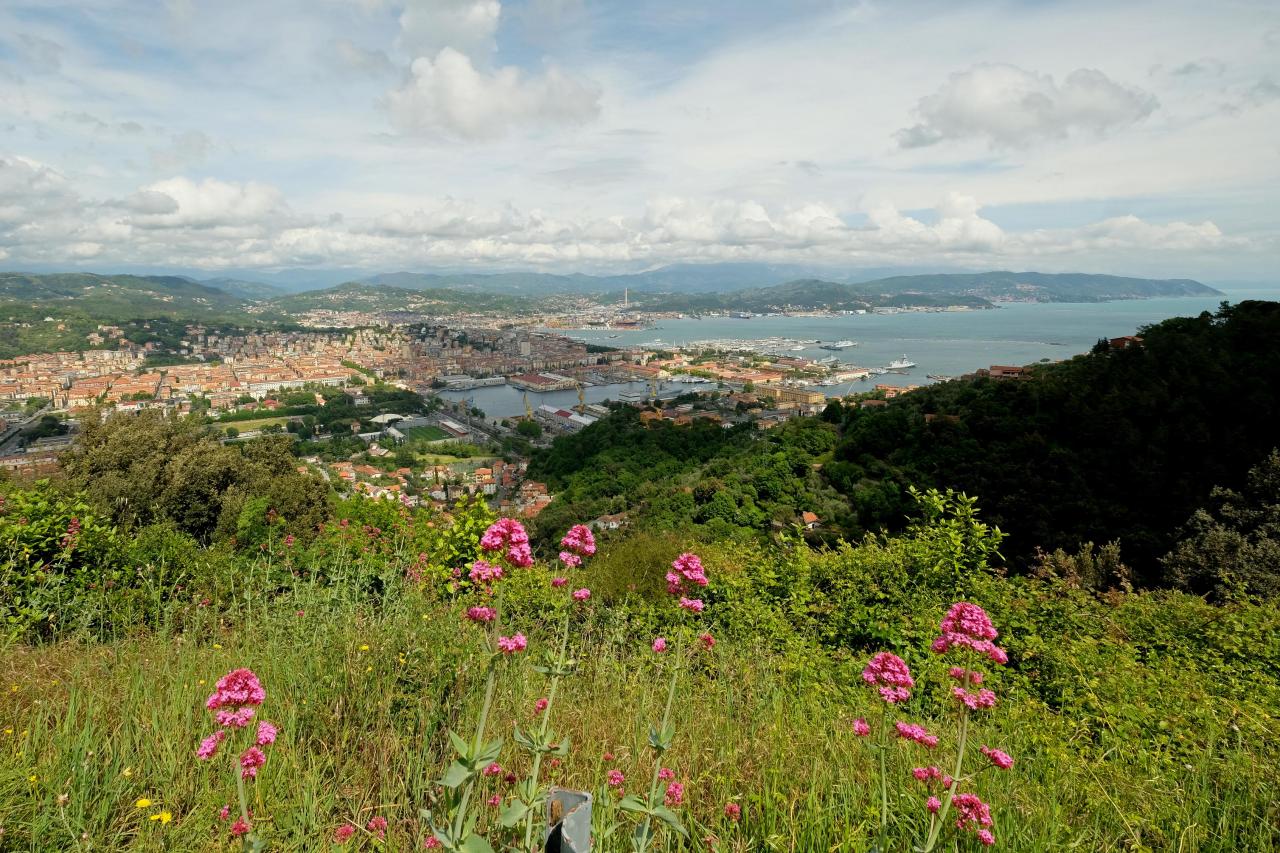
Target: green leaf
{"points": [[563, 749], [475, 844], [633, 803], [513, 813], [669, 817], [461, 746], [487, 754], [457, 774]]}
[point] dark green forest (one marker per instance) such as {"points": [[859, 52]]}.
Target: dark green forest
{"points": [[1118, 445]]}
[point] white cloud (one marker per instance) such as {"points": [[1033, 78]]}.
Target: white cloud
{"points": [[467, 26], [1010, 107], [351, 56], [208, 204], [449, 96], [183, 151]]}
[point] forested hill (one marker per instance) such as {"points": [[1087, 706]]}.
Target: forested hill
{"points": [[1118, 444], [1122, 443]]}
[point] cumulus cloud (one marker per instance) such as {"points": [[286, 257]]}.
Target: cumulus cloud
{"points": [[183, 203], [1011, 107], [449, 96], [467, 26]]}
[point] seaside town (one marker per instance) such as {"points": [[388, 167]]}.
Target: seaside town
{"points": [[376, 410]]}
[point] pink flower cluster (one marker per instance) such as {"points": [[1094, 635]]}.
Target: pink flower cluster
{"points": [[917, 733], [973, 815], [675, 794], [483, 571], [579, 541], [687, 568], [615, 778], [968, 626], [693, 605], [861, 728], [974, 701], [233, 701], [481, 614], [581, 594], [511, 645], [926, 774], [890, 673], [508, 536], [1002, 760]]}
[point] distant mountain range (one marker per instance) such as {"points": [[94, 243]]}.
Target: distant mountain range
{"points": [[685, 287]]}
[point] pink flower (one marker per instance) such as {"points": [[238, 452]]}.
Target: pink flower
{"points": [[581, 594], [666, 773], [660, 645], [570, 559], [693, 605], [675, 794], [343, 834], [239, 828], [933, 804], [224, 812], [615, 778], [236, 719], [985, 836], [968, 626], [971, 676], [266, 733], [971, 812], [540, 706], [494, 801], [209, 746], [708, 641], [520, 555], [733, 811], [510, 645], [579, 540], [250, 761], [687, 569], [974, 701], [377, 825], [917, 733], [559, 582], [924, 774], [431, 843], [608, 756], [236, 688], [483, 571], [494, 769], [1000, 759], [860, 727], [891, 674], [481, 614], [288, 541]]}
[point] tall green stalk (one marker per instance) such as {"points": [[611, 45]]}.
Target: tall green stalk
{"points": [[491, 680], [657, 761], [542, 730], [940, 819]]}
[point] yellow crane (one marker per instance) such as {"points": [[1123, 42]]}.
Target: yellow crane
{"points": [[528, 410], [582, 399]]}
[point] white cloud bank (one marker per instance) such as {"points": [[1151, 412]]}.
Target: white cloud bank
{"points": [[216, 224], [1010, 107]]}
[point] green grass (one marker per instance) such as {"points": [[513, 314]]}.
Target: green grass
{"points": [[259, 423], [363, 733], [425, 433]]}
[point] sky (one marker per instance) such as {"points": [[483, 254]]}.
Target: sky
{"points": [[1138, 138]]}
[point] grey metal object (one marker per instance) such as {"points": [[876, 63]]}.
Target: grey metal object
{"points": [[568, 821]]}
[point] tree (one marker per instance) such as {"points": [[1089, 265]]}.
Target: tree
{"points": [[529, 428], [1233, 543]]}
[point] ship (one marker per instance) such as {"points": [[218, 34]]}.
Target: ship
{"points": [[901, 363], [839, 345]]}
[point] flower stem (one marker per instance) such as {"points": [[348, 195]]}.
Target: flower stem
{"points": [[490, 683], [935, 827], [657, 762], [884, 779], [244, 807], [542, 731]]}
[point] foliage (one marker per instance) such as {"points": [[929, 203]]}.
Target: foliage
{"points": [[1233, 544]]}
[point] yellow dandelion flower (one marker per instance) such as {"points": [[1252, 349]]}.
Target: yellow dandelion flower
{"points": [[33, 778], [200, 682], [163, 817], [364, 647], [127, 772], [368, 669], [8, 730], [217, 645], [142, 803]]}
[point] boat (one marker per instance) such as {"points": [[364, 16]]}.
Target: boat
{"points": [[839, 345], [901, 363], [939, 377], [611, 337]]}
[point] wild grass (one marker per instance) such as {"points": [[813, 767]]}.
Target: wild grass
{"points": [[364, 697]]}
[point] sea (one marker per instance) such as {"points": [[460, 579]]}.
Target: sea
{"points": [[943, 343]]}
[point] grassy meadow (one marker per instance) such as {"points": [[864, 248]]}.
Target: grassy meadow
{"points": [[1137, 721]]}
